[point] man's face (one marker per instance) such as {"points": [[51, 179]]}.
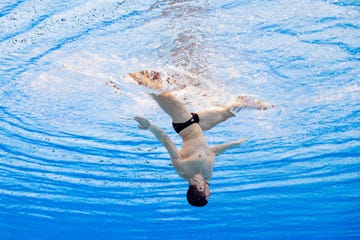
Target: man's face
{"points": [[205, 187]]}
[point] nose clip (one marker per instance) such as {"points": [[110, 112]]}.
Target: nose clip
{"points": [[201, 189]]}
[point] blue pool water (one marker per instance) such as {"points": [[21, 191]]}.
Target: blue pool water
{"points": [[74, 165]]}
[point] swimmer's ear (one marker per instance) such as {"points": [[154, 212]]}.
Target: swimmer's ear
{"points": [[219, 149]]}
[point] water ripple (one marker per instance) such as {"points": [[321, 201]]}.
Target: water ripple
{"points": [[73, 161]]}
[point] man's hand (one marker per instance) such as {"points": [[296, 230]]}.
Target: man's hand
{"points": [[162, 137], [143, 122]]}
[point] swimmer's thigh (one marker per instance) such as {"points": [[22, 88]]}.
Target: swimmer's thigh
{"points": [[172, 106]]}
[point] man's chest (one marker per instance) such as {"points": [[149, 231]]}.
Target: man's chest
{"points": [[200, 162]]}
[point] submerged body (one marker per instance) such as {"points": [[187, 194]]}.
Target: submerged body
{"points": [[195, 160], [197, 157]]}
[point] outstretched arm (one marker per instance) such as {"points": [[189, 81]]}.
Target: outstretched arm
{"points": [[162, 137], [219, 149]]}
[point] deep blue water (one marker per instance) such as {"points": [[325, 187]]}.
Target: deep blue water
{"points": [[74, 165]]}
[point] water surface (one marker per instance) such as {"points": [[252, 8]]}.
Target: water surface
{"points": [[74, 165]]}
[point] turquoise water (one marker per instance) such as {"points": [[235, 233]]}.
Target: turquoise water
{"points": [[74, 165]]}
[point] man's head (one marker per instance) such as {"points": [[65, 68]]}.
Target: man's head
{"points": [[198, 195]]}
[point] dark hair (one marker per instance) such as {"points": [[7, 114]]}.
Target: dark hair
{"points": [[196, 198]]}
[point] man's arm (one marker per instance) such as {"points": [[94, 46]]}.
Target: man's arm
{"points": [[162, 137], [219, 149]]}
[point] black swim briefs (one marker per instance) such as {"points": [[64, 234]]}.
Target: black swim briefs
{"points": [[178, 127]]}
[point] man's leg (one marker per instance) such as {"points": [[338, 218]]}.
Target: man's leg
{"points": [[172, 106], [212, 117], [166, 100], [246, 102], [180, 114], [150, 79]]}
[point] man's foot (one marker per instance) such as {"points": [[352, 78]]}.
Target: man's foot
{"points": [[149, 79], [245, 102]]}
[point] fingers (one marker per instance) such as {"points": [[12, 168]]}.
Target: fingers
{"points": [[143, 123], [137, 118]]}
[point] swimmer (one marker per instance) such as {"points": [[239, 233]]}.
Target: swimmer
{"points": [[195, 160]]}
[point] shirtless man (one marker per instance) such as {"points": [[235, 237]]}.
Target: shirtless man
{"points": [[195, 160]]}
